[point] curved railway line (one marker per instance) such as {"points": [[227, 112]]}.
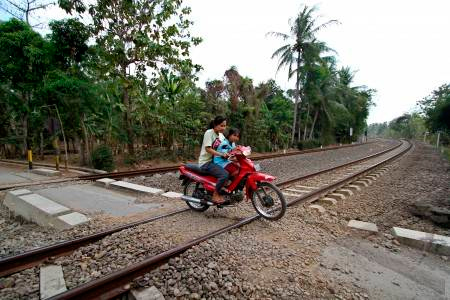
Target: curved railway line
{"points": [[313, 187], [149, 171]]}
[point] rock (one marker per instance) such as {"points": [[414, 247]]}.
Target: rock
{"points": [[99, 254], [177, 292], [194, 296], [331, 289], [6, 282], [83, 266], [213, 286], [212, 265]]}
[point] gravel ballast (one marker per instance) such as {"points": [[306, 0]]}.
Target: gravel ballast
{"points": [[277, 260]]}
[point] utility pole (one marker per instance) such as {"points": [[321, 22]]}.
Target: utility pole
{"points": [[64, 138], [437, 141]]}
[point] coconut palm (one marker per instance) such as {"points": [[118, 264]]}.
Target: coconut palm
{"points": [[292, 55]]}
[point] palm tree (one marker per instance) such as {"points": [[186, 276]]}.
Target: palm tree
{"points": [[292, 55]]}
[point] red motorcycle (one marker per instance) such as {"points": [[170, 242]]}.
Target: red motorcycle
{"points": [[266, 198]]}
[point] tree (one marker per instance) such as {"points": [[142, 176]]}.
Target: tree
{"points": [[436, 109], [24, 59], [136, 38], [24, 9], [69, 39], [292, 55]]}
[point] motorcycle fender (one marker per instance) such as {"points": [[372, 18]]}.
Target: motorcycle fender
{"points": [[253, 179]]}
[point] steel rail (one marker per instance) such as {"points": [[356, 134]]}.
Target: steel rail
{"points": [[28, 259], [164, 169], [117, 283], [314, 195], [16, 263]]}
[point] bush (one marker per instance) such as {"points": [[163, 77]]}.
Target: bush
{"points": [[308, 144], [102, 158]]}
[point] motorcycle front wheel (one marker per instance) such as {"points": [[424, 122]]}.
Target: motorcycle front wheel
{"points": [[268, 201], [195, 190]]}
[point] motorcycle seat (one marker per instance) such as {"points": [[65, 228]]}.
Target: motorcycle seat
{"points": [[196, 168]]}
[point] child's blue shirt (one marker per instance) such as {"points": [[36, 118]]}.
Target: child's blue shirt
{"points": [[224, 147]]}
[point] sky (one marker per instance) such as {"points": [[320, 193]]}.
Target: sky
{"points": [[399, 48]]}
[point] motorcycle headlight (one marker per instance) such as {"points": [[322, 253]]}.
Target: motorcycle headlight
{"points": [[247, 152]]}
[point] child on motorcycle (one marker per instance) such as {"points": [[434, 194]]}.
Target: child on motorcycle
{"points": [[225, 146]]}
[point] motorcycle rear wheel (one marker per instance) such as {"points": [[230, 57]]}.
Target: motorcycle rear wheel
{"points": [[190, 189], [269, 201]]}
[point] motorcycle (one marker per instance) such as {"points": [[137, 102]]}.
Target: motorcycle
{"points": [[266, 198]]}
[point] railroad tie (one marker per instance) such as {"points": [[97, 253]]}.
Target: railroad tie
{"points": [[336, 196], [353, 187], [328, 201], [297, 191], [306, 187], [291, 195], [363, 182], [317, 208], [348, 192]]}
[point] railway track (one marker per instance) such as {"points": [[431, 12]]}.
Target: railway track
{"points": [[116, 283], [148, 171]]}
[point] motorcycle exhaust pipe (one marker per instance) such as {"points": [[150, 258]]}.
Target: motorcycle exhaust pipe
{"points": [[196, 200]]}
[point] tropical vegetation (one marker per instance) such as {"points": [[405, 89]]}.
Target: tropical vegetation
{"points": [[125, 80]]}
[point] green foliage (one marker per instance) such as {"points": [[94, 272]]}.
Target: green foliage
{"points": [[69, 40], [308, 144], [102, 158], [436, 109], [132, 87], [409, 126]]}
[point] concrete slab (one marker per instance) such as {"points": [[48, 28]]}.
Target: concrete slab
{"points": [[51, 281], [298, 191], [317, 208], [12, 176], [328, 201], [70, 220], [46, 172], [104, 182], [423, 240], [385, 274], [19, 192], [12, 195], [151, 293], [45, 205], [362, 225], [93, 199], [37, 209], [172, 195], [11, 198], [135, 187]]}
